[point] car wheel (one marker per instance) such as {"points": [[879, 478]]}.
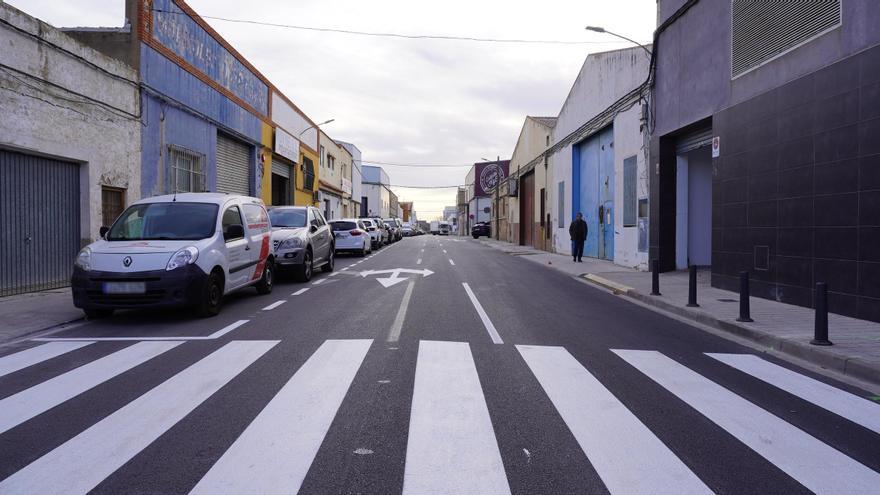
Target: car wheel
{"points": [[304, 271], [264, 286], [212, 296], [328, 267], [95, 314]]}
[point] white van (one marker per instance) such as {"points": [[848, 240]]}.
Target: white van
{"points": [[187, 249]]}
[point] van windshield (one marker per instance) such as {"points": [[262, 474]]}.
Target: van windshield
{"points": [[165, 221]]}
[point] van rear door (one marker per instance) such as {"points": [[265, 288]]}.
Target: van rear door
{"points": [[258, 237]]}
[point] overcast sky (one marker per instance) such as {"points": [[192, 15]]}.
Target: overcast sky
{"points": [[409, 101]]}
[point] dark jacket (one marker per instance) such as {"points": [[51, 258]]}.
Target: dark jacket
{"points": [[578, 230]]}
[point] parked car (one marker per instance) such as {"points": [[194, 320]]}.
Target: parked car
{"points": [[386, 234], [481, 229], [351, 236], [302, 240], [393, 229], [374, 232], [187, 249], [407, 230]]}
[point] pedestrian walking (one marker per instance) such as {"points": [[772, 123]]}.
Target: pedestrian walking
{"points": [[578, 231]]}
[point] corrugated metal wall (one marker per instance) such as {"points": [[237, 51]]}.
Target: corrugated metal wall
{"points": [[39, 222]]}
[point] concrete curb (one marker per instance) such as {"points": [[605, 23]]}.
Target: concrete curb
{"points": [[849, 366]]}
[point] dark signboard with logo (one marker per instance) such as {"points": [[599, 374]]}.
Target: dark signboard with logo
{"points": [[487, 175]]}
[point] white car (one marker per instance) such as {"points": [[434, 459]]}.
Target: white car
{"points": [[351, 236], [375, 233], [187, 249]]}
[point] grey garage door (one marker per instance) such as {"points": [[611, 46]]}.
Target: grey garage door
{"points": [[39, 222], [233, 166]]}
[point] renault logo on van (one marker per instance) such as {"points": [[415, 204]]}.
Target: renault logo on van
{"points": [[126, 261]]}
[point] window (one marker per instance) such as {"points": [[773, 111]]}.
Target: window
{"points": [[187, 171], [321, 158], [560, 205], [308, 167], [231, 217], [288, 217], [112, 204], [165, 221], [761, 31], [255, 214], [547, 140], [630, 176], [543, 208], [331, 162]]}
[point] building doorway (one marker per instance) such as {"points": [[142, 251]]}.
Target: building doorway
{"points": [[693, 201], [527, 210]]}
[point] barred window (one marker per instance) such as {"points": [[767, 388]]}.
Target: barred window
{"points": [[187, 170], [762, 30]]}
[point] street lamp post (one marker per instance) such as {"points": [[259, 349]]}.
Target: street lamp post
{"points": [[599, 29], [316, 125]]}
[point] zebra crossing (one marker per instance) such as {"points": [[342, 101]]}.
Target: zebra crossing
{"points": [[451, 440]]}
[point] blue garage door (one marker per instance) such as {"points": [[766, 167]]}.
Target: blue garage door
{"points": [[593, 168]]}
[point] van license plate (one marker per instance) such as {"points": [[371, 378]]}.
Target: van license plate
{"points": [[125, 287]]}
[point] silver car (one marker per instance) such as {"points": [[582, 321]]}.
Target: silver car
{"points": [[302, 240]]}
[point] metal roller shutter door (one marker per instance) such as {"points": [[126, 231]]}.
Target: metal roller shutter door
{"points": [[281, 169], [233, 166], [39, 222], [694, 140]]}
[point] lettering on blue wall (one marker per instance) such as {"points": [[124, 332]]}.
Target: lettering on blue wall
{"points": [[182, 35]]}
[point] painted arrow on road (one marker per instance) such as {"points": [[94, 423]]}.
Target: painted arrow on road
{"points": [[395, 273]]}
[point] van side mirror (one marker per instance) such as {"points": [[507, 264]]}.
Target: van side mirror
{"points": [[103, 231], [233, 232]]}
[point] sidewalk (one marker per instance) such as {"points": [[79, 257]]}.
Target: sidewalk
{"points": [[25, 314], [783, 327]]}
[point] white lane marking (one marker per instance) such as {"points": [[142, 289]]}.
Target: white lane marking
{"points": [[451, 446], [216, 335], [852, 407], [444, 251], [419, 262], [34, 355], [422, 251], [394, 332], [626, 454], [451, 262], [319, 281], [300, 292], [274, 305], [812, 463], [40, 398], [483, 316], [333, 274], [83, 462], [275, 451]]}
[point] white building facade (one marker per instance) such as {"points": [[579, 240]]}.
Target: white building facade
{"points": [[70, 148], [599, 159]]}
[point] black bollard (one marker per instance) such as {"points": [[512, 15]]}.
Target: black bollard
{"points": [[744, 310], [692, 287], [655, 277], [820, 333]]}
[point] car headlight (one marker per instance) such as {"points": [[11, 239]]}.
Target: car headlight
{"points": [[84, 259], [182, 257], [291, 243]]}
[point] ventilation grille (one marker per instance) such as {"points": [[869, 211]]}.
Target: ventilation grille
{"points": [[764, 29]]}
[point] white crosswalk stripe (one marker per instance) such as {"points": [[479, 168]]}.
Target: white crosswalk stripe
{"points": [[40, 398], [35, 355], [626, 455], [81, 463], [845, 404], [451, 440], [814, 464], [276, 450], [451, 446]]}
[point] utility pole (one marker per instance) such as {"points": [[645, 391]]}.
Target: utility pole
{"points": [[497, 198]]}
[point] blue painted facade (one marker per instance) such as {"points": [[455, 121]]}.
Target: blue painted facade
{"points": [[593, 191], [179, 109]]}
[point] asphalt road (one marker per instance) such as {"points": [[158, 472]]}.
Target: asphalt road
{"points": [[479, 372]]}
